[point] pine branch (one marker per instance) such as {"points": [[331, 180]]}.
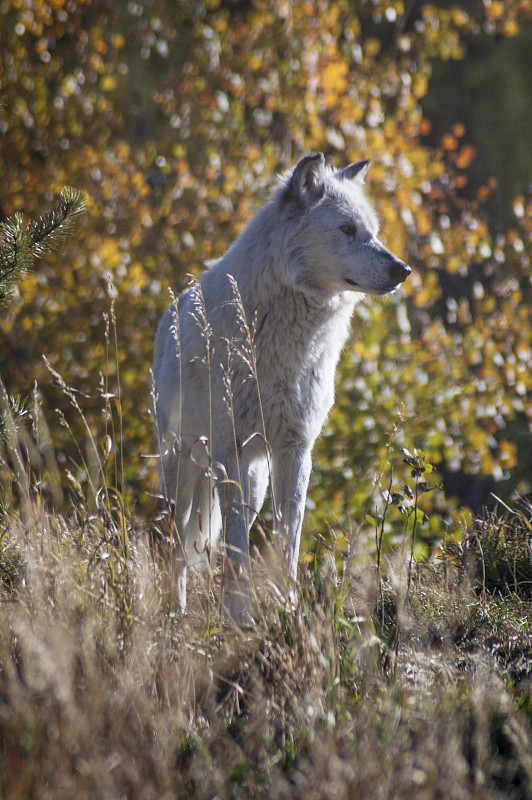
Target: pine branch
{"points": [[20, 243], [16, 255], [51, 228]]}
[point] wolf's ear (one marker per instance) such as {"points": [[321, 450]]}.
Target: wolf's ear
{"points": [[306, 184], [356, 171]]}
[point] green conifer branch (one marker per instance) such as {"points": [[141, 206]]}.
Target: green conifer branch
{"points": [[20, 243], [51, 228]]}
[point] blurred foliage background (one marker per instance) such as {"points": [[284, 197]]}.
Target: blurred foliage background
{"points": [[173, 117]]}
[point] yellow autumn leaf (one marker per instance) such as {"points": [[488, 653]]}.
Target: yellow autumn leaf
{"points": [[334, 77], [108, 83], [495, 8], [508, 453], [420, 86], [372, 47], [110, 253]]}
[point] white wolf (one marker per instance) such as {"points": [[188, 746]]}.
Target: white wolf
{"points": [[245, 361]]}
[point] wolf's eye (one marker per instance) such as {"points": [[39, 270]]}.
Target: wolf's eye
{"points": [[349, 230]]}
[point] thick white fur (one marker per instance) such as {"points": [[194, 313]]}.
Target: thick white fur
{"points": [[275, 309]]}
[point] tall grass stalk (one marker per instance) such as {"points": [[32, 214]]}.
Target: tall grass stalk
{"points": [[246, 351], [201, 318], [171, 536], [13, 448], [93, 466]]}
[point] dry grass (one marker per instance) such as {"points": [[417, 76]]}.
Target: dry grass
{"points": [[105, 693]]}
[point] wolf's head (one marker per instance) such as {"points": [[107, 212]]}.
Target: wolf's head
{"points": [[331, 232]]}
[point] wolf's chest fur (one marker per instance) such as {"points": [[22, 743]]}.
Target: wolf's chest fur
{"points": [[296, 347]]}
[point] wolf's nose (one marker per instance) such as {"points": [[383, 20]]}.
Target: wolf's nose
{"points": [[400, 271]]}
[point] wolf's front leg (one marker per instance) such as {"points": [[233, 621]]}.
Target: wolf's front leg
{"points": [[233, 491], [291, 473]]}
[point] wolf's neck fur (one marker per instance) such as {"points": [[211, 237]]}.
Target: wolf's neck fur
{"points": [[261, 250], [289, 323]]}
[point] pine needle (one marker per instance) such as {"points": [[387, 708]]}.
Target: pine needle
{"points": [[20, 243]]}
